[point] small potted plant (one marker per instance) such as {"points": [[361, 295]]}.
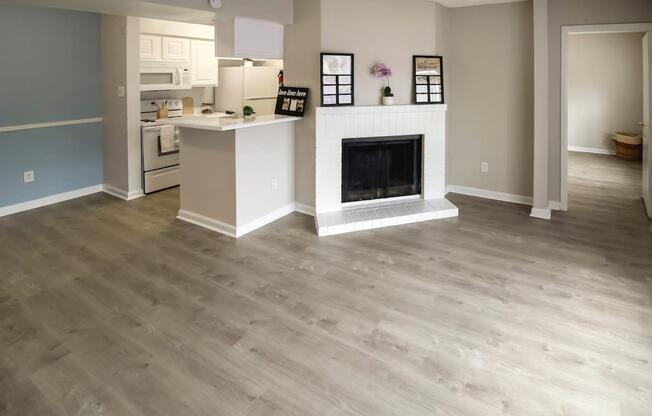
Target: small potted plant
{"points": [[383, 71], [248, 112]]}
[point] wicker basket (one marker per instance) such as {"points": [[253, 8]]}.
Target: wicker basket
{"points": [[628, 146]]}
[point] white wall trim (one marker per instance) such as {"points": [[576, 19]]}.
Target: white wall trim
{"points": [[49, 200], [263, 221], [565, 32], [208, 223], [121, 193], [304, 209], [593, 150], [487, 194], [5, 129], [543, 214]]}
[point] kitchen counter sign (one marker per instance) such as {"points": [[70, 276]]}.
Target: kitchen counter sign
{"points": [[291, 101]]}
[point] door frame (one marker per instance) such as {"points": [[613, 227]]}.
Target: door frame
{"points": [[566, 31]]}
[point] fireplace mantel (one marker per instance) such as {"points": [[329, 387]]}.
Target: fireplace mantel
{"points": [[336, 123]]}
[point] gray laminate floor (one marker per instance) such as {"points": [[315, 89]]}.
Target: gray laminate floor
{"points": [[116, 308]]}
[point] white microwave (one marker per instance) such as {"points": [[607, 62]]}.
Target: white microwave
{"points": [[156, 76]]}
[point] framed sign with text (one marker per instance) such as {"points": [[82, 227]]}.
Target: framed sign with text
{"points": [[291, 101]]}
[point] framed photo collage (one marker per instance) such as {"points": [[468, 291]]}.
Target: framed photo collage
{"points": [[336, 79], [428, 79]]}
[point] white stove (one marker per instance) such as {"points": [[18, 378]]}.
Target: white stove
{"points": [[160, 145]]}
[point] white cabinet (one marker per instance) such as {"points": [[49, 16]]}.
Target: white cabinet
{"points": [[244, 37], [164, 48], [175, 49], [203, 63], [150, 48], [255, 38]]}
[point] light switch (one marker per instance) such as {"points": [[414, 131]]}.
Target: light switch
{"points": [[121, 91], [28, 176]]}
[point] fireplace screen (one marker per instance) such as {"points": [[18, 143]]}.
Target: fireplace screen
{"points": [[381, 167]]}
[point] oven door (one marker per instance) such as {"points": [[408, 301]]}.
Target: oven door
{"points": [[153, 157]]}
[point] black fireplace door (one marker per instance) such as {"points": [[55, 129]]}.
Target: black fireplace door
{"points": [[385, 167]]}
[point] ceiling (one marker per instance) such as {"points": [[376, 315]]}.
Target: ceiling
{"points": [[465, 3], [152, 8], [193, 11]]}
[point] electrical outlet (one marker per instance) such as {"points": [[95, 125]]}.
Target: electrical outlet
{"points": [[28, 176], [274, 184], [484, 167]]}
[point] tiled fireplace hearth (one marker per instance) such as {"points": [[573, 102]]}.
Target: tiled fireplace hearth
{"points": [[383, 127]]}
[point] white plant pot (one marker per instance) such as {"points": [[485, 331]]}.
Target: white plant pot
{"points": [[388, 100]]}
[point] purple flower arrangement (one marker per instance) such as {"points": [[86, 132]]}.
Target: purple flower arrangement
{"points": [[383, 71]]}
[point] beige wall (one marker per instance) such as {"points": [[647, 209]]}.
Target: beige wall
{"points": [[442, 40], [114, 63], [208, 176], [379, 31], [265, 152], [121, 127], [490, 97], [301, 69], [605, 87], [577, 12]]}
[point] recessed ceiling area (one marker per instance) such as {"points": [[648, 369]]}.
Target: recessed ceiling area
{"points": [[466, 3]]}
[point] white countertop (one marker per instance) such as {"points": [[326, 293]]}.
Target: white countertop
{"points": [[218, 123]]}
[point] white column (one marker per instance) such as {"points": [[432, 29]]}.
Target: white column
{"points": [[540, 206]]}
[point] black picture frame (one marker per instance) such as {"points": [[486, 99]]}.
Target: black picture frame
{"points": [[427, 88], [342, 85], [285, 98]]}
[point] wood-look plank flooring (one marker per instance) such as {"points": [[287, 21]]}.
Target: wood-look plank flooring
{"points": [[116, 308]]}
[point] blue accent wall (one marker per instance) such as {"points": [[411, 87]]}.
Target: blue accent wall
{"points": [[50, 71], [63, 158]]}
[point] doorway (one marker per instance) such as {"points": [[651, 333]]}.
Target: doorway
{"points": [[602, 94]]}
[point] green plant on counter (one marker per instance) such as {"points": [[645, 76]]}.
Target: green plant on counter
{"points": [[248, 111]]}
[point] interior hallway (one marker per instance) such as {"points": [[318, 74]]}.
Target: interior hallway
{"points": [[116, 308], [605, 188]]}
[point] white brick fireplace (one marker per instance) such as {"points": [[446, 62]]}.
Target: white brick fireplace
{"points": [[337, 123]]}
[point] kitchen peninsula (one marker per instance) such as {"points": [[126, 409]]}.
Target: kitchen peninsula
{"points": [[238, 175]]}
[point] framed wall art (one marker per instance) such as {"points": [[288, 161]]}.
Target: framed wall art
{"points": [[336, 79], [428, 77], [291, 101]]}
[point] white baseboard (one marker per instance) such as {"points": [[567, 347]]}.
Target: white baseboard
{"points": [[135, 194], [230, 230], [593, 150], [304, 209], [543, 214], [49, 200], [208, 223], [263, 221], [487, 194], [121, 193], [555, 206]]}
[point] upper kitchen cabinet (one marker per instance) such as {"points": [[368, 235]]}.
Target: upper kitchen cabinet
{"points": [[150, 48], [175, 49], [203, 63], [243, 37]]}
